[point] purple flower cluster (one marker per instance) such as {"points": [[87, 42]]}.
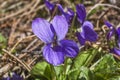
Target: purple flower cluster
{"points": [[68, 15], [87, 32], [53, 33], [14, 77], [116, 33]]}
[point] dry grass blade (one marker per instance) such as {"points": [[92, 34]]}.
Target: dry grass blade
{"points": [[22, 63]]}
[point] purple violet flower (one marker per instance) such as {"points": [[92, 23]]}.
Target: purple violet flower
{"points": [[14, 77], [52, 34], [110, 26], [115, 51], [7, 78], [118, 36], [49, 5], [113, 31], [68, 15], [87, 32], [81, 13]]}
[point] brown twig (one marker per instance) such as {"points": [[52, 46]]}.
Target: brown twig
{"points": [[15, 45], [33, 61], [32, 8], [31, 44], [35, 46], [22, 63], [97, 5], [5, 68], [20, 41], [101, 16], [18, 12], [12, 37]]}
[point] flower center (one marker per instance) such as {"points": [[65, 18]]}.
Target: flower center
{"points": [[55, 43]]}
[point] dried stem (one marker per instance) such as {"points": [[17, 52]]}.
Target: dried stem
{"points": [[22, 63], [97, 5]]}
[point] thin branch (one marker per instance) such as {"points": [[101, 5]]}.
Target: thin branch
{"points": [[18, 12], [22, 63], [20, 41], [97, 5]]}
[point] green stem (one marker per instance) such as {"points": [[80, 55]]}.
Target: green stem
{"points": [[92, 67], [64, 72], [72, 25], [54, 76], [65, 68], [73, 21], [90, 57]]}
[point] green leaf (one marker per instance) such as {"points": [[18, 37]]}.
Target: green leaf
{"points": [[73, 74], [3, 41], [44, 71], [59, 69], [115, 78], [37, 79], [50, 72], [38, 70], [63, 70], [106, 68], [85, 74], [84, 58], [107, 61]]}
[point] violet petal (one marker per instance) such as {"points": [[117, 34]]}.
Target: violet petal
{"points": [[110, 34], [81, 13], [60, 8], [108, 24], [116, 51], [118, 31], [81, 39], [88, 31], [41, 28], [60, 26], [70, 48], [54, 56], [68, 15], [49, 5], [16, 77]]}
